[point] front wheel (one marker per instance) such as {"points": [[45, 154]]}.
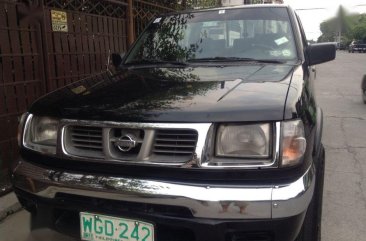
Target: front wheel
{"points": [[311, 228]]}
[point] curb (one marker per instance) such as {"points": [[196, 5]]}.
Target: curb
{"points": [[8, 205]]}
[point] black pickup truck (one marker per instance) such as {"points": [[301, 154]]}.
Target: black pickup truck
{"points": [[206, 129]]}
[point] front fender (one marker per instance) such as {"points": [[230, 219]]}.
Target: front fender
{"points": [[318, 133]]}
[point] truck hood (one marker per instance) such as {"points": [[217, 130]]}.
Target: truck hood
{"points": [[253, 92]]}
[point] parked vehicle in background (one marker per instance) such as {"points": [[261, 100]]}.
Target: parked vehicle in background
{"points": [[337, 45], [208, 130], [357, 46], [341, 46]]}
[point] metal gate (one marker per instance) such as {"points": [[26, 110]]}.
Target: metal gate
{"points": [[47, 44], [144, 11], [21, 75], [94, 30]]}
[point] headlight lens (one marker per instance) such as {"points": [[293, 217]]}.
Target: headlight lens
{"points": [[293, 142], [41, 134], [44, 131], [243, 141]]}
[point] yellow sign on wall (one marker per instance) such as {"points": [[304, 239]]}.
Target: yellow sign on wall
{"points": [[59, 21]]}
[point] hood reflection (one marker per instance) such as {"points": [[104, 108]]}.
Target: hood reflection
{"points": [[196, 94]]}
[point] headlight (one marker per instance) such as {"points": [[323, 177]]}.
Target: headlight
{"points": [[40, 134], [293, 142], [243, 141]]}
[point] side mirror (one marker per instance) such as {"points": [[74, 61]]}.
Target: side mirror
{"points": [[117, 59], [320, 53]]}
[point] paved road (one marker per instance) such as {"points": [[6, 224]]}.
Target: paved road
{"points": [[344, 208], [339, 94]]}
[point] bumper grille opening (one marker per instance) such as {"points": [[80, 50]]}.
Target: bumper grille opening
{"points": [[123, 206], [167, 233], [243, 236]]}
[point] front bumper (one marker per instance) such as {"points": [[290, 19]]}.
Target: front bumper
{"points": [[204, 201], [277, 208]]}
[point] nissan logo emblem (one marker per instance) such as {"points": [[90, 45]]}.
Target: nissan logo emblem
{"points": [[125, 143]]}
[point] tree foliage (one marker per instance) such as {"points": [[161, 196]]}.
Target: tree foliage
{"points": [[349, 26], [328, 29], [187, 4], [359, 32]]}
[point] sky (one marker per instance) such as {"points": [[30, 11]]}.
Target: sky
{"points": [[312, 17]]}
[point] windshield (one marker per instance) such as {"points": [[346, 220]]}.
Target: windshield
{"points": [[251, 33]]}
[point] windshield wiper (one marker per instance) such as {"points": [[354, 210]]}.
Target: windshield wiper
{"points": [[158, 61], [235, 59]]}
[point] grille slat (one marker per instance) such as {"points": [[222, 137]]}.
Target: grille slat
{"points": [[86, 144], [85, 129], [167, 145], [86, 135], [86, 141], [88, 147], [171, 152], [175, 134], [175, 142]]}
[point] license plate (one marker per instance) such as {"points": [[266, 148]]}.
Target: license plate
{"points": [[97, 227]]}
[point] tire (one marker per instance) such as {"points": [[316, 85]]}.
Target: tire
{"points": [[311, 228]]}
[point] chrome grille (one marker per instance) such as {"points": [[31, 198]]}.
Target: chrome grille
{"points": [[85, 141], [173, 142], [155, 144]]}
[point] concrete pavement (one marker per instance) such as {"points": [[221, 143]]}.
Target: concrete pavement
{"points": [[339, 94], [16, 227], [8, 205]]}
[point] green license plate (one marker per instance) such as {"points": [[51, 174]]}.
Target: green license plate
{"points": [[97, 227]]}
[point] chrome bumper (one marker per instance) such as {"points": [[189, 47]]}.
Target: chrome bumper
{"points": [[216, 201]]}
